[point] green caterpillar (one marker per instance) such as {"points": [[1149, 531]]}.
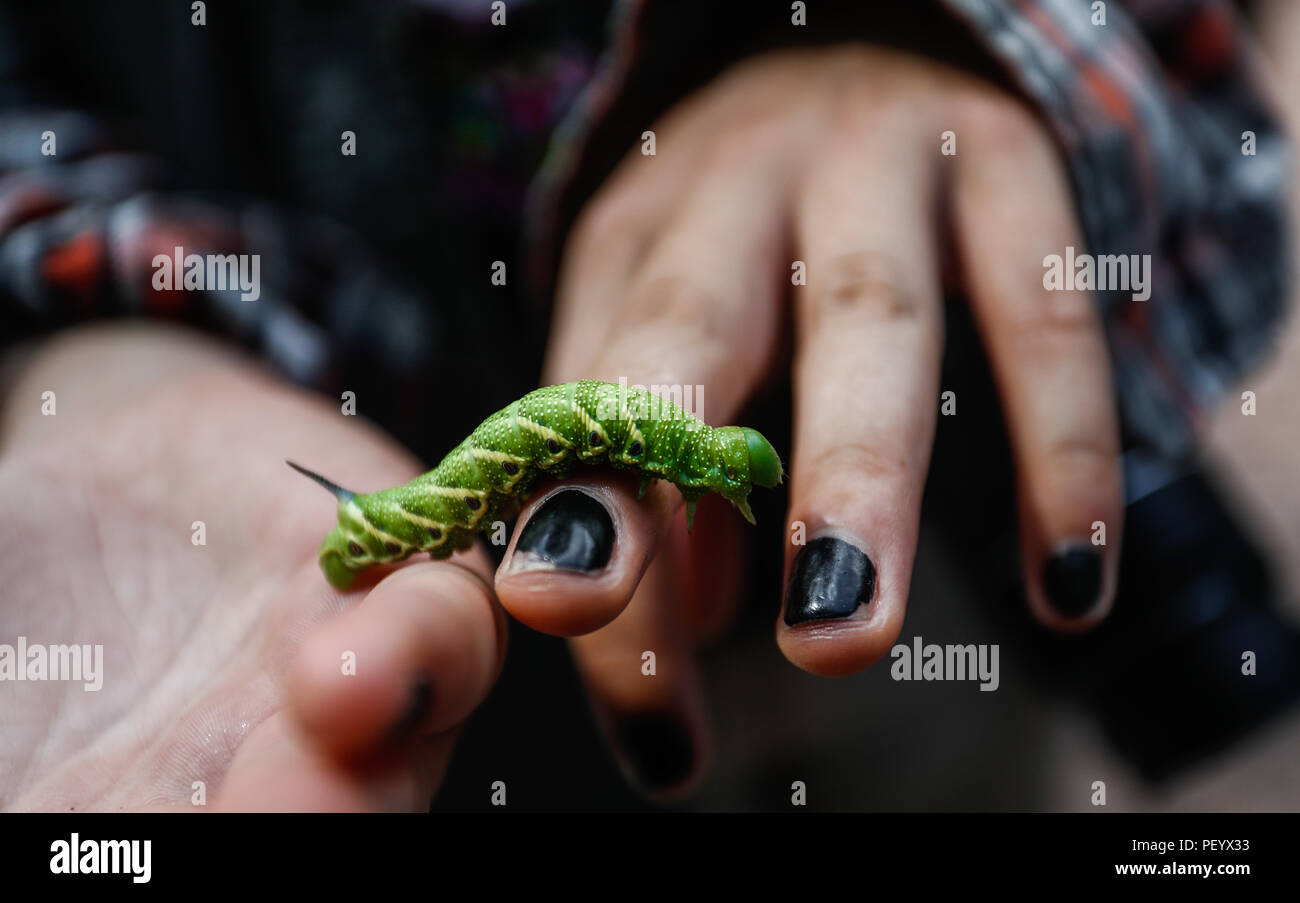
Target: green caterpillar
{"points": [[546, 432]]}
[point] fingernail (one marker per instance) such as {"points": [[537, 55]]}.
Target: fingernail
{"points": [[657, 747], [830, 579], [1072, 579], [418, 703], [571, 531]]}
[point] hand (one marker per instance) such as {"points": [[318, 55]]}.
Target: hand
{"points": [[1255, 456], [677, 273], [222, 663]]}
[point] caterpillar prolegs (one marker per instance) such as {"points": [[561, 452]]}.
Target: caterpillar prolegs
{"points": [[547, 432]]}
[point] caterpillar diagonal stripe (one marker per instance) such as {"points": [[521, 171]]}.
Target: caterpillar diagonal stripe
{"points": [[547, 432]]}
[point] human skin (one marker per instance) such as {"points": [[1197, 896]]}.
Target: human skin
{"points": [[223, 661], [676, 273], [1256, 455], [679, 272]]}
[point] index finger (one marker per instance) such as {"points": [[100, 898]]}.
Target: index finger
{"points": [[698, 316]]}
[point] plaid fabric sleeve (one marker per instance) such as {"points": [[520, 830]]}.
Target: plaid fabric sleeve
{"points": [[1150, 110], [80, 232], [131, 175]]}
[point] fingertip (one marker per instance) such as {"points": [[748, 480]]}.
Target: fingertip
{"points": [[578, 553], [417, 654], [1073, 587], [840, 648], [1069, 546], [661, 752], [343, 688], [841, 613]]}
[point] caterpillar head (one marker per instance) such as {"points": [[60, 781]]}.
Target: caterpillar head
{"points": [[764, 463], [748, 458]]}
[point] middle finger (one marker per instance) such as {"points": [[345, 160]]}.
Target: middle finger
{"points": [[869, 339]]}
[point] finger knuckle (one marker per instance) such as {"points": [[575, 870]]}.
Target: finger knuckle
{"points": [[748, 132], [1058, 317], [860, 118], [1088, 457], [999, 122], [674, 319], [865, 285], [692, 308], [615, 215], [858, 459]]}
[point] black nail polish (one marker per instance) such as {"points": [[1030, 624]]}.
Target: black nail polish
{"points": [[658, 748], [830, 579], [418, 703], [572, 531], [1072, 579]]}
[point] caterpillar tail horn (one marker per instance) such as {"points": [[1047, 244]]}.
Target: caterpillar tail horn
{"points": [[343, 495]]}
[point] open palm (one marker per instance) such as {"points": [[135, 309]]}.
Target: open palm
{"points": [[152, 515]]}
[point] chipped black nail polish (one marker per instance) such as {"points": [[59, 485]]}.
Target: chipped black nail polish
{"points": [[1072, 579], [572, 531], [657, 747], [830, 579]]}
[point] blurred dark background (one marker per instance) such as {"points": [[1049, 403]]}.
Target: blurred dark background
{"points": [[378, 283]]}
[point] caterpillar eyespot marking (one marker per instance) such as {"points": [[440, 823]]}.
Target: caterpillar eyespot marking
{"points": [[528, 437]]}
